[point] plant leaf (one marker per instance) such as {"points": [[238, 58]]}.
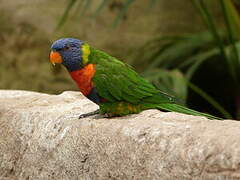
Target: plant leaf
{"points": [[210, 100], [233, 60], [122, 12], [180, 49], [198, 60], [85, 5], [100, 7], [172, 82], [66, 13]]}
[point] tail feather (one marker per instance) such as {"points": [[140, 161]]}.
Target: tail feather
{"points": [[185, 110]]}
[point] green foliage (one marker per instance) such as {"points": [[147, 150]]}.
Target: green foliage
{"points": [[168, 52], [228, 12], [188, 52]]}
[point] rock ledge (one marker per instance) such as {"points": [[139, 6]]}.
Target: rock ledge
{"points": [[42, 138]]}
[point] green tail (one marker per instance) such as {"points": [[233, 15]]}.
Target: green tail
{"points": [[185, 110]]}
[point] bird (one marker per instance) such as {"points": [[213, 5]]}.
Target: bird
{"points": [[113, 85]]}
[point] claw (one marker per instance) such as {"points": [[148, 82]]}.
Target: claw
{"points": [[89, 114]]}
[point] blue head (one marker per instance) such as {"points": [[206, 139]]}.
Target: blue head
{"points": [[69, 52]]}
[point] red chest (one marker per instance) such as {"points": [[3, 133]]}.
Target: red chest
{"points": [[83, 78]]}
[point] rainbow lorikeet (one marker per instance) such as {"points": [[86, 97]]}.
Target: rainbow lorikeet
{"points": [[110, 83]]}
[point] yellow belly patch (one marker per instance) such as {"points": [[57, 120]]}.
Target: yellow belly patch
{"points": [[119, 108]]}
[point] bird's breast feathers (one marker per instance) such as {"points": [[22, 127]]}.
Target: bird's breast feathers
{"points": [[83, 78]]}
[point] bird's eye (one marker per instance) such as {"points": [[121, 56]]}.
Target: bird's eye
{"points": [[66, 48]]}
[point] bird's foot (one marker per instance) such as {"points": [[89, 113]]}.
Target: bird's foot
{"points": [[100, 116], [89, 114]]}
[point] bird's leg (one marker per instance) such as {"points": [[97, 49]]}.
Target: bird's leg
{"points": [[89, 114], [100, 116]]}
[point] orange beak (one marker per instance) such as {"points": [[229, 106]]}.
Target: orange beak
{"points": [[55, 57]]}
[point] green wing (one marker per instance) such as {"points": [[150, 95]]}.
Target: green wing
{"points": [[116, 81]]}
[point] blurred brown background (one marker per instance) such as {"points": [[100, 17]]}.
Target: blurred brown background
{"points": [[27, 29]]}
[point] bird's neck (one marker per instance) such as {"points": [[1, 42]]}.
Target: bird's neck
{"points": [[84, 61], [73, 67]]}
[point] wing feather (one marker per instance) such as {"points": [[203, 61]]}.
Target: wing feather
{"points": [[116, 81]]}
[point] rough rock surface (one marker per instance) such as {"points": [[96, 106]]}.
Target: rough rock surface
{"points": [[42, 138]]}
